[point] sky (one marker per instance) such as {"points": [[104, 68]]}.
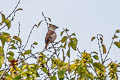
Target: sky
{"points": [[86, 18]]}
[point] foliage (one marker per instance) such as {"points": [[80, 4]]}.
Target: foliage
{"points": [[58, 66]]}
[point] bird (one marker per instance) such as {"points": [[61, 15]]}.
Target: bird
{"points": [[50, 35]]}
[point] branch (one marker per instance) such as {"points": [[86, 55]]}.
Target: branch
{"points": [[11, 14], [14, 9], [29, 36], [45, 19], [100, 49], [76, 46], [109, 49], [19, 29]]}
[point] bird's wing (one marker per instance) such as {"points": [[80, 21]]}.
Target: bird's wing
{"points": [[48, 36]]}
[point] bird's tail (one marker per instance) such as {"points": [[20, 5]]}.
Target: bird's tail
{"points": [[46, 45]]}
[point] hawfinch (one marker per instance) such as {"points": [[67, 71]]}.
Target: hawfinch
{"points": [[51, 35]]}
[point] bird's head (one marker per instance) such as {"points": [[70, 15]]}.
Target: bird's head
{"points": [[52, 27]]}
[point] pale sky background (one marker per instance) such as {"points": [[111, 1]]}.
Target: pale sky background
{"points": [[84, 17]]}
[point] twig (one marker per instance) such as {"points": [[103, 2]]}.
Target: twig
{"points": [[76, 46], [94, 70], [45, 19], [3, 74], [11, 14], [100, 49], [14, 9], [19, 29], [8, 44], [29, 36], [19, 47], [109, 49]]}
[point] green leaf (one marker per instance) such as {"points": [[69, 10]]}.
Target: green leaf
{"points": [[18, 39], [3, 18], [117, 44], [92, 38], [45, 70], [61, 78], [73, 43], [61, 33], [64, 39], [3, 42], [1, 50], [1, 72], [99, 66], [73, 34], [10, 58], [1, 56], [1, 61], [12, 46], [5, 37], [35, 43], [27, 52], [96, 57], [104, 48], [10, 53], [37, 74], [8, 23], [24, 66], [12, 41], [118, 31], [61, 73], [64, 46], [90, 75], [68, 53], [8, 78], [17, 77], [114, 37], [4, 33], [53, 78], [19, 9], [66, 30], [94, 52], [73, 78]]}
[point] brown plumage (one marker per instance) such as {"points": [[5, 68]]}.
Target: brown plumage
{"points": [[51, 35]]}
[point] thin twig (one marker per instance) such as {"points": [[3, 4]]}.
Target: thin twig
{"points": [[14, 9], [19, 29], [19, 47], [45, 19], [100, 49], [94, 70], [76, 46], [11, 14], [29, 36], [109, 49]]}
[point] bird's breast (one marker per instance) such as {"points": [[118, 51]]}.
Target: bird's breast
{"points": [[53, 36]]}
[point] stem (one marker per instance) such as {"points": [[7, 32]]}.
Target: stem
{"points": [[29, 36], [100, 49], [109, 49], [45, 19], [11, 14], [76, 46]]}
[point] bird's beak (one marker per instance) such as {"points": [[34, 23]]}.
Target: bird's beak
{"points": [[57, 27]]}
